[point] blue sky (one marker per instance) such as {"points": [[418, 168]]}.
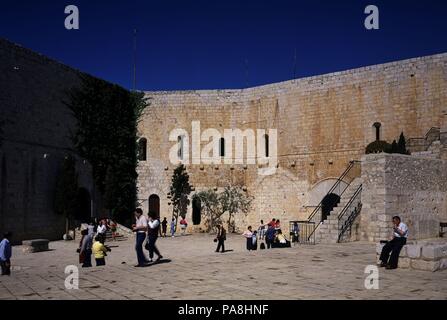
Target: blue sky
{"points": [[196, 44]]}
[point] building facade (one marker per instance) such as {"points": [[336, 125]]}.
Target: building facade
{"points": [[322, 122]]}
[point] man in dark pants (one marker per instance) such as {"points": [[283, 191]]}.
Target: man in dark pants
{"points": [[152, 235], [140, 228], [270, 236], [221, 237], [400, 234]]}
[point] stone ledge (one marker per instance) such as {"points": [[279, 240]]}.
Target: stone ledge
{"points": [[425, 255], [37, 245]]}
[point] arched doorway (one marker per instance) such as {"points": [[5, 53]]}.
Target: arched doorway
{"points": [[196, 211], [327, 205], [154, 204], [83, 213]]}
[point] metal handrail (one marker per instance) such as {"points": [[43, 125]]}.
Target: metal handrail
{"points": [[345, 209], [353, 214], [350, 220], [336, 184]]}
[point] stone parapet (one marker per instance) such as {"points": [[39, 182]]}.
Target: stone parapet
{"points": [[425, 255]]}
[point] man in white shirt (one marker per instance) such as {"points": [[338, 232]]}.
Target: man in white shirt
{"points": [[152, 235], [140, 227], [400, 235], [101, 230]]}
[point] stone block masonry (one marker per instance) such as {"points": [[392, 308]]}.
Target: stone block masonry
{"points": [[413, 188], [37, 126], [426, 255], [323, 122]]}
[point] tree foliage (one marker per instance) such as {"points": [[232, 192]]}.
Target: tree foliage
{"points": [[231, 200], [106, 135], [234, 200], [180, 190], [66, 196], [211, 208], [379, 146]]}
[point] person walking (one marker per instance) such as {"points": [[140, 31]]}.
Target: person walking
{"points": [[164, 226], [5, 254], [173, 227], [140, 228], [400, 235], [99, 251], [220, 238], [152, 235], [85, 249], [248, 234]]}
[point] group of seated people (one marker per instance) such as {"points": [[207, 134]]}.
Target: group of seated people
{"points": [[274, 238]]}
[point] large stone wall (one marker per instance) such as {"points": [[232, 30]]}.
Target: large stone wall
{"points": [[323, 122], [36, 138], [413, 188]]}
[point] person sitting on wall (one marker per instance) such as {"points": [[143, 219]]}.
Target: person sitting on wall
{"points": [[400, 235]]}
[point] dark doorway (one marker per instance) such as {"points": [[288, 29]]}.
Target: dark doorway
{"points": [[83, 214], [327, 205], [196, 211], [154, 204]]}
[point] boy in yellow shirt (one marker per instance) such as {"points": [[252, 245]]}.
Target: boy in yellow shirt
{"points": [[100, 251]]}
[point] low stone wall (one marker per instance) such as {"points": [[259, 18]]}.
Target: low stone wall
{"points": [[426, 255], [413, 188]]}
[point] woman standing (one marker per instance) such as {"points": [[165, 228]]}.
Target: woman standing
{"points": [[248, 234]]}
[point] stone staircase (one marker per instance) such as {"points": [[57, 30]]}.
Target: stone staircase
{"points": [[329, 230]]}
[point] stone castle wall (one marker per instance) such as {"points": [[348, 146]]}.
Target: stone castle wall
{"points": [[413, 188], [323, 122], [36, 139]]}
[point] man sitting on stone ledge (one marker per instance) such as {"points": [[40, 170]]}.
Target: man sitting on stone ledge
{"points": [[400, 235]]}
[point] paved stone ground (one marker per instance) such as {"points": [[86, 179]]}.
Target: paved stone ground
{"points": [[194, 271]]}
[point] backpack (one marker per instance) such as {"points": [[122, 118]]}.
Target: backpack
{"points": [[262, 246]]}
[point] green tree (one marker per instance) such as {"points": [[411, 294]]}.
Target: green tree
{"points": [[106, 135], [180, 190], [234, 200], [394, 147], [66, 197], [212, 209]]}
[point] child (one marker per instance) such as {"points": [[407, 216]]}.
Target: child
{"points": [[173, 227], [5, 254], [254, 239], [183, 225], [100, 251]]}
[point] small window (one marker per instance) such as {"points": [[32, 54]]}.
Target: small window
{"points": [[266, 140], [222, 147], [142, 149], [180, 140]]}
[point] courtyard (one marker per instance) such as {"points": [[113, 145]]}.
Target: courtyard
{"points": [[193, 271]]}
